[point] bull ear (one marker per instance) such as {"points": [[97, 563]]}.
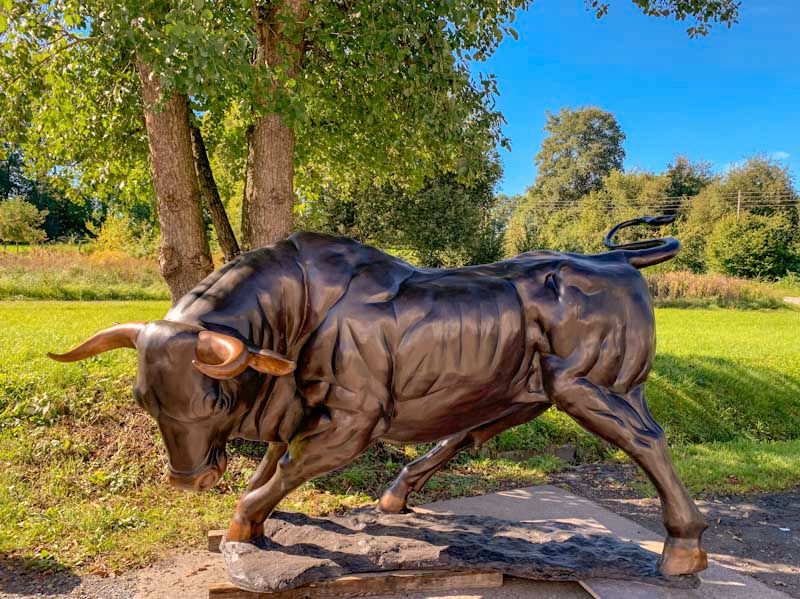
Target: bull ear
{"points": [[121, 335], [271, 362], [224, 357]]}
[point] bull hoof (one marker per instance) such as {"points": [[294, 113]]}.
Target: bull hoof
{"points": [[243, 532], [391, 503], [681, 557]]}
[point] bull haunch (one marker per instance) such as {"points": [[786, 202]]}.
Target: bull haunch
{"points": [[321, 346]]}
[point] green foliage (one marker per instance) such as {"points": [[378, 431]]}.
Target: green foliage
{"points": [[65, 218], [753, 246], [383, 95], [704, 12], [120, 233], [687, 178], [769, 179], [581, 148], [764, 242], [446, 223], [539, 224], [21, 221]]}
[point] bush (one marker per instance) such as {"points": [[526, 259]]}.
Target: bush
{"points": [[753, 246], [120, 234], [21, 221]]}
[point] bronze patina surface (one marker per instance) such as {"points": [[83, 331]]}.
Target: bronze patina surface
{"points": [[322, 346]]}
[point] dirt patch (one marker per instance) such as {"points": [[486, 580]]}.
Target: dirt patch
{"points": [[755, 534], [184, 576]]}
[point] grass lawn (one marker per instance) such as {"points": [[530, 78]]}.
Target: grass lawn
{"points": [[81, 468]]}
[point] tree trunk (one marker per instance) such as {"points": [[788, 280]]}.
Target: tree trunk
{"points": [[271, 190], [271, 186], [184, 258], [210, 195], [247, 194]]}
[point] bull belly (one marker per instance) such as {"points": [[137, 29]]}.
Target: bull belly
{"points": [[443, 414]]}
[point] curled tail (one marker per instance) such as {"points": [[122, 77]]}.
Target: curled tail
{"points": [[650, 251]]}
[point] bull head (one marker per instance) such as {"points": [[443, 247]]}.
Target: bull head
{"points": [[182, 382]]}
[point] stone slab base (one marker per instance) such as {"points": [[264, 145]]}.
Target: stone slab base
{"points": [[298, 550]]}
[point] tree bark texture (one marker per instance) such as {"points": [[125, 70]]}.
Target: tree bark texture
{"points": [[247, 194], [210, 194], [271, 184], [184, 258]]}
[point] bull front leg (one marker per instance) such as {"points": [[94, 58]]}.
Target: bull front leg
{"points": [[322, 445], [267, 466], [625, 421]]}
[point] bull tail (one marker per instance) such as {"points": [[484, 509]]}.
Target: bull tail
{"points": [[641, 254]]}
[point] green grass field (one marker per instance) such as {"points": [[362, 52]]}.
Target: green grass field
{"points": [[81, 468]]}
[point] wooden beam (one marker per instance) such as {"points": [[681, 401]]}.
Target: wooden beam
{"points": [[372, 583], [214, 539]]}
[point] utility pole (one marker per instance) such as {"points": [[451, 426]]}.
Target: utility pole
{"points": [[738, 204]]}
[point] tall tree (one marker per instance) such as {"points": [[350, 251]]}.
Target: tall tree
{"points": [[687, 178], [582, 147]]}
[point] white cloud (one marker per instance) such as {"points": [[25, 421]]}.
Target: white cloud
{"points": [[780, 155]]}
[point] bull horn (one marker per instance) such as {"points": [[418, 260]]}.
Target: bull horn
{"points": [[224, 357], [121, 335]]}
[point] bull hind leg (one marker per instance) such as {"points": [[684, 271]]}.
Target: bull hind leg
{"points": [[322, 445], [625, 421], [416, 474]]}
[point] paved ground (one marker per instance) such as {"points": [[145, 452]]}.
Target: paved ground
{"points": [[756, 534]]}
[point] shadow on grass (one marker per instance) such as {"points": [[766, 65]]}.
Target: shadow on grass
{"points": [[36, 576], [700, 399]]}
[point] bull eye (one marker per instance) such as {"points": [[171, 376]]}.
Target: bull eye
{"points": [[220, 399]]}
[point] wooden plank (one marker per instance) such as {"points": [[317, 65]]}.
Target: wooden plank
{"points": [[372, 583], [214, 539]]}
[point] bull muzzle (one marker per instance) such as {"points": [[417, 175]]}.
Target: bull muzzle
{"points": [[202, 478]]}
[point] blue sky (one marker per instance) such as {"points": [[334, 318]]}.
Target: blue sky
{"points": [[722, 98]]}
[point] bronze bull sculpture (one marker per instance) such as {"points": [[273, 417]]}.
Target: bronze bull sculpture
{"points": [[321, 346]]}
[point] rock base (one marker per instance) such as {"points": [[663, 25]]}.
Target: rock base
{"points": [[297, 550]]}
